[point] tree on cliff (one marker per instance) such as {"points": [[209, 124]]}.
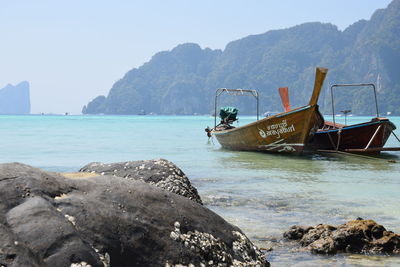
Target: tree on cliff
{"points": [[183, 80]]}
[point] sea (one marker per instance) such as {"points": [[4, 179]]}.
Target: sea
{"points": [[263, 194]]}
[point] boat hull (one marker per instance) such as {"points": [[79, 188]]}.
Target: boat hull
{"points": [[367, 137], [284, 133]]}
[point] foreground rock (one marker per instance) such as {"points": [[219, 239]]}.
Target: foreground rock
{"points": [[358, 236], [161, 173], [49, 220]]}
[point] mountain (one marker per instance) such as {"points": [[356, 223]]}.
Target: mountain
{"points": [[183, 80], [15, 99]]}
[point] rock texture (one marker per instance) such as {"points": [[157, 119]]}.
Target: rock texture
{"points": [[49, 220], [160, 172], [358, 236]]}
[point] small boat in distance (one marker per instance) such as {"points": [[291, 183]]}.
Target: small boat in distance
{"points": [[286, 132], [367, 137]]}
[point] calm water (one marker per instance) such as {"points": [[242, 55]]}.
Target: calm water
{"points": [[263, 194]]}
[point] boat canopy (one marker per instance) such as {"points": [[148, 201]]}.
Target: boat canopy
{"points": [[219, 91]]}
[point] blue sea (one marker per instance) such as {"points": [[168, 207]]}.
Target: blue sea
{"points": [[263, 194]]}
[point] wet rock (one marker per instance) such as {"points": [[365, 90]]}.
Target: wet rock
{"points": [[110, 221], [160, 172], [358, 236], [296, 232]]}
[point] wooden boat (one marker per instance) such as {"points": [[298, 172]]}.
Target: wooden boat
{"points": [[366, 137], [286, 132]]}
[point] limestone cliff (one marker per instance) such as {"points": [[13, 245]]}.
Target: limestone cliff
{"points": [[15, 99]]}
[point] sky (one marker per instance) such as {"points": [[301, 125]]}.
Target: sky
{"points": [[71, 51]]}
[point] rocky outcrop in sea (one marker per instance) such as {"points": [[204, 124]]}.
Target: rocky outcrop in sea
{"points": [[358, 236], [15, 99], [47, 219]]}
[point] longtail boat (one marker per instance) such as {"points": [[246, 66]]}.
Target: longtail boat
{"points": [[367, 137], [286, 132]]}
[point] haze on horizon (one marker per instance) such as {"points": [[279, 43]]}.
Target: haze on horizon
{"points": [[72, 51]]}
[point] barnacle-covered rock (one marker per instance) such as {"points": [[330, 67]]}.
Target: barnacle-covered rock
{"points": [[47, 219], [213, 251], [159, 172]]}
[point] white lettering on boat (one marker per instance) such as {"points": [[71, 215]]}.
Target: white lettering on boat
{"points": [[262, 134], [277, 129]]}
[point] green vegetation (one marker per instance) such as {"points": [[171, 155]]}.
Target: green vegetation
{"points": [[183, 80]]}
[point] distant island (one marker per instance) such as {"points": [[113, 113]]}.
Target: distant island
{"points": [[183, 80], [15, 99]]}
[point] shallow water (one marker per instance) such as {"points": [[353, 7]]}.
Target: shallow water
{"points": [[261, 193]]}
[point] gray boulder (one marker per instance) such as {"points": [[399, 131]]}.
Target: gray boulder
{"points": [[47, 219], [160, 172], [13, 253]]}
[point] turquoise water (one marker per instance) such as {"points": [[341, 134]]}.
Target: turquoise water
{"points": [[261, 193]]}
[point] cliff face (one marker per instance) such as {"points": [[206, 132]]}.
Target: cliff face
{"points": [[183, 80], [15, 99]]}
